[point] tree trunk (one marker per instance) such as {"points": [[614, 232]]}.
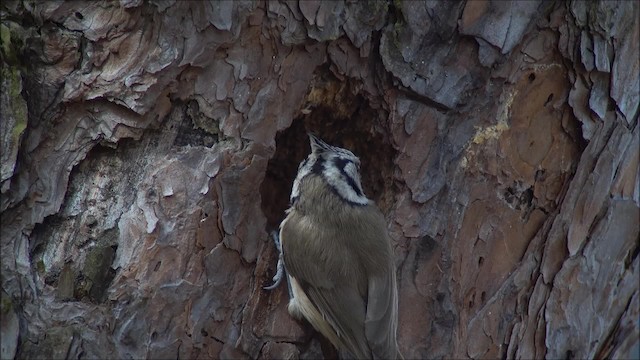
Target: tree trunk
{"points": [[149, 148]]}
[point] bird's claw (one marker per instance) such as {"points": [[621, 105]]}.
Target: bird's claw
{"points": [[280, 271]]}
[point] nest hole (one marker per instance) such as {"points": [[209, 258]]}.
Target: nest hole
{"points": [[343, 117]]}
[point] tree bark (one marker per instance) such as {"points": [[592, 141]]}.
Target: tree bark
{"points": [[149, 147]]}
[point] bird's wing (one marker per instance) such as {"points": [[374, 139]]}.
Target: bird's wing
{"points": [[346, 316], [381, 320], [335, 296], [382, 315]]}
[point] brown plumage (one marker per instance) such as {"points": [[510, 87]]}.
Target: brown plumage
{"points": [[339, 261]]}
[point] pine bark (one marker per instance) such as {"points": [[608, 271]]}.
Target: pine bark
{"points": [[149, 147]]}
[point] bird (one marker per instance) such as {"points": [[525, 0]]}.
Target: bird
{"points": [[338, 257]]}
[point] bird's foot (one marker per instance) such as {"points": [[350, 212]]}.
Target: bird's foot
{"points": [[280, 270]]}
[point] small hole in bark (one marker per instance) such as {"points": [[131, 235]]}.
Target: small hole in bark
{"points": [[472, 298], [483, 296], [204, 332], [154, 335], [532, 77], [527, 197], [157, 266], [79, 15], [509, 194], [549, 99], [51, 279], [480, 261], [196, 128], [569, 355]]}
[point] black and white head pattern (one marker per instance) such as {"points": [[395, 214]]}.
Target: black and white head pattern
{"points": [[337, 166]]}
